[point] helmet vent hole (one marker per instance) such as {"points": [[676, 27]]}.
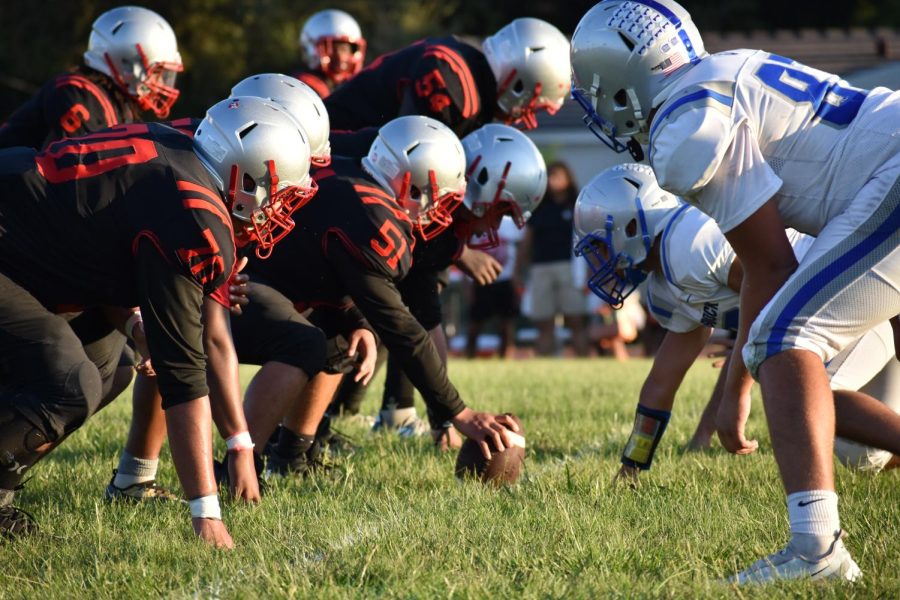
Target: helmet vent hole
{"points": [[249, 184], [243, 132], [634, 183], [628, 43], [118, 26], [631, 228], [482, 176], [411, 148], [621, 98], [519, 87]]}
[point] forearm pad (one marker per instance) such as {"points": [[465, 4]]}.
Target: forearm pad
{"points": [[649, 426]]}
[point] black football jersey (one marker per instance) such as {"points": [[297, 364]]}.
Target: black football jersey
{"points": [[351, 208], [68, 105], [317, 81], [443, 78]]}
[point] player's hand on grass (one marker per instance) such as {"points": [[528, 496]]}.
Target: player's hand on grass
{"points": [[144, 366], [627, 476], [242, 476], [363, 341], [446, 438], [722, 354], [482, 426], [730, 422], [480, 266], [213, 532], [239, 289]]}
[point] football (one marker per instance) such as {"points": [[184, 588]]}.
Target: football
{"points": [[503, 468]]}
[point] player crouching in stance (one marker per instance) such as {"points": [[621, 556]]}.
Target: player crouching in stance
{"points": [[629, 230], [760, 143], [137, 215], [353, 244]]}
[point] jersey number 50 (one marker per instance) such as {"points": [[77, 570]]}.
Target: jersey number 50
{"points": [[830, 102], [95, 154]]}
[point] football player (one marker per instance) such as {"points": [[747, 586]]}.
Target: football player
{"points": [[623, 218], [130, 66], [137, 215], [760, 142], [334, 50], [521, 69], [351, 247], [506, 175], [288, 347]]}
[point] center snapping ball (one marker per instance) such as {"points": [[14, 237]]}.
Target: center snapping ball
{"points": [[502, 468]]}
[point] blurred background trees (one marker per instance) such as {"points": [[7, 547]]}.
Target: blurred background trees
{"points": [[224, 40]]}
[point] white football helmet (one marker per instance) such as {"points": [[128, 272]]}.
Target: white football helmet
{"points": [[422, 163], [259, 157], [530, 60], [617, 217], [300, 101], [505, 174], [625, 53], [137, 48], [318, 36]]}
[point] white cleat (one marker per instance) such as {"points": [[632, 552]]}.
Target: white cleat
{"points": [[404, 421], [790, 563]]}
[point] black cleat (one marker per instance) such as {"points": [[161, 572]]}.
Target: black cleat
{"points": [[146, 491], [15, 522]]}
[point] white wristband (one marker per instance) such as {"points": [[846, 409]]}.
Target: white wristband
{"points": [[131, 323], [240, 441], [206, 507]]}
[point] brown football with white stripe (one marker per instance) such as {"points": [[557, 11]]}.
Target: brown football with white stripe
{"points": [[503, 468]]}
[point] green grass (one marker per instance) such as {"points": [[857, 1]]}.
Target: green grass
{"points": [[399, 525]]}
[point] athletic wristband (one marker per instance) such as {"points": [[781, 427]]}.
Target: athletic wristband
{"points": [[649, 426], [239, 442], [206, 507], [131, 323]]}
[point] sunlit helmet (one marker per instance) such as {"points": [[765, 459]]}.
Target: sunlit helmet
{"points": [[137, 48], [259, 156], [421, 161], [530, 60], [617, 217], [300, 101], [505, 174], [318, 37], [625, 54]]}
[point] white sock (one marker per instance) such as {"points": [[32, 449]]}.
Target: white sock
{"points": [[134, 470], [814, 512]]}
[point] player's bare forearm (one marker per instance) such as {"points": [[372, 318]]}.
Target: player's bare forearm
{"points": [[676, 354], [222, 370], [190, 440], [706, 428]]}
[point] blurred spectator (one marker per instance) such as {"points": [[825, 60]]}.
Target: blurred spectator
{"points": [[547, 248], [499, 299], [617, 328]]}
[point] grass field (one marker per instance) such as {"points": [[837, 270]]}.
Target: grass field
{"points": [[397, 524]]}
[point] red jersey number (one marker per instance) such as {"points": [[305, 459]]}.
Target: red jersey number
{"points": [[95, 154], [392, 245]]}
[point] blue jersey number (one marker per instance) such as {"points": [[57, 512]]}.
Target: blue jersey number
{"points": [[831, 102]]}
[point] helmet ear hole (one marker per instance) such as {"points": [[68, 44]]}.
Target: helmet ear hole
{"points": [[249, 185], [631, 228], [518, 87], [414, 192], [482, 176], [621, 98]]}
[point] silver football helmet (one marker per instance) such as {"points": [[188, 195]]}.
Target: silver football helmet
{"points": [[318, 37], [300, 101], [617, 217], [625, 53], [137, 48], [505, 175], [530, 60], [259, 157], [422, 163]]}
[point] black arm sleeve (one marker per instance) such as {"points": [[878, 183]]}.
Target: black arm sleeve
{"points": [[170, 306], [378, 299], [343, 320]]}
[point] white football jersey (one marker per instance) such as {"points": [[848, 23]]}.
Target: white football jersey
{"points": [[746, 125], [692, 290]]}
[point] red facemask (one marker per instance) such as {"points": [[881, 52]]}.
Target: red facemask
{"points": [[331, 64], [159, 80], [436, 219]]}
